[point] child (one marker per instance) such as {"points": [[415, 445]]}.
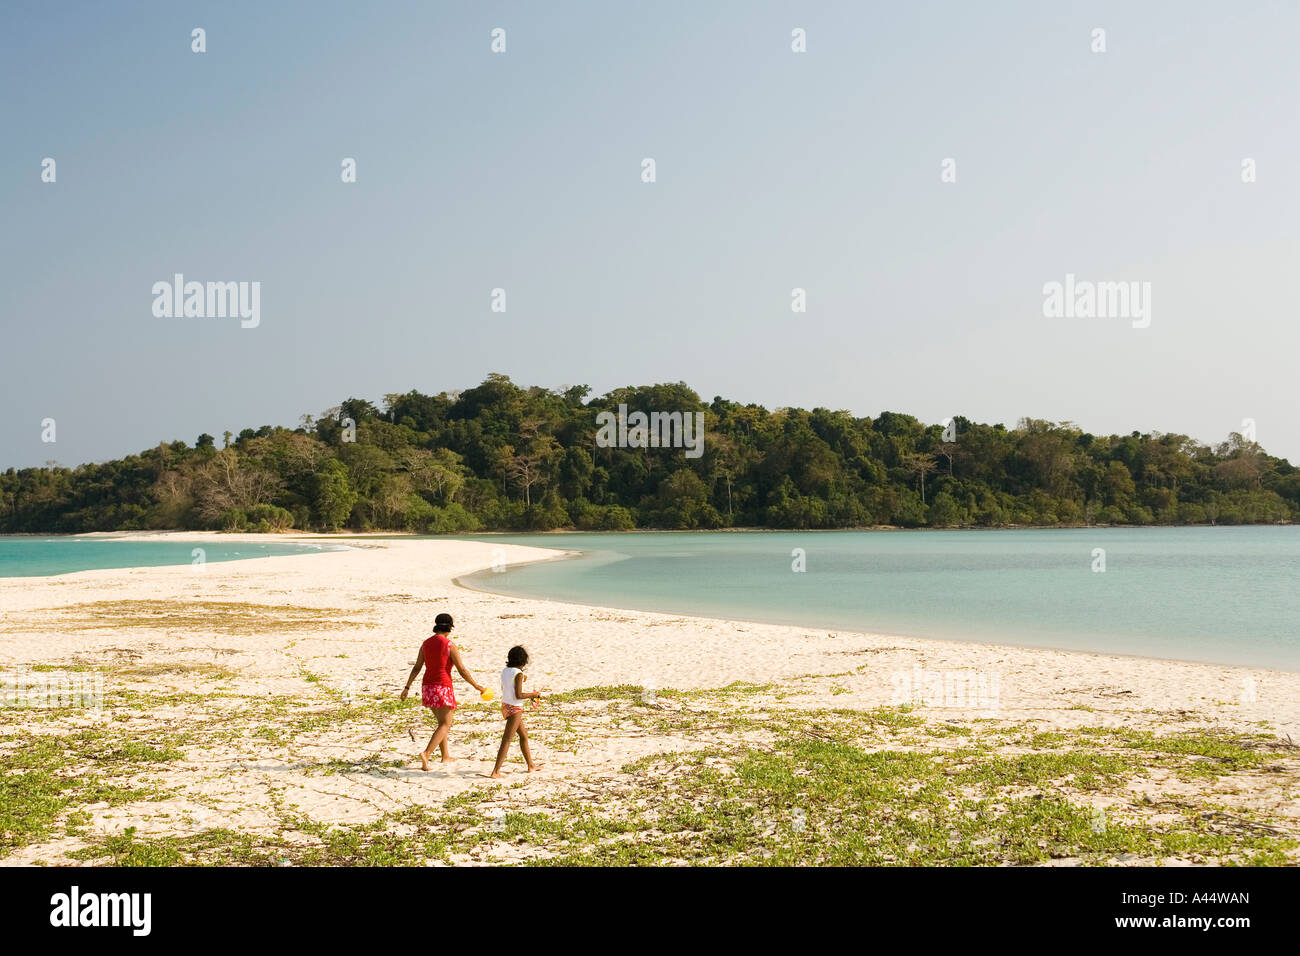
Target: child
{"points": [[437, 655], [512, 708]]}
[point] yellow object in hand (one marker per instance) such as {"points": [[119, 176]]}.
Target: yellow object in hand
{"points": [[487, 695]]}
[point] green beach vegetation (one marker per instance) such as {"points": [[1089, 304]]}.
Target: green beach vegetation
{"points": [[504, 457], [766, 785]]}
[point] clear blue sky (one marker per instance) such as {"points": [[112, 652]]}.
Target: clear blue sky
{"points": [[522, 171]]}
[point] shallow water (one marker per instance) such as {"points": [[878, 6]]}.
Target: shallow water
{"points": [[36, 556], [1226, 595]]}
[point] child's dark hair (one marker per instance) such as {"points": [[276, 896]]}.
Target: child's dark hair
{"points": [[518, 657]]}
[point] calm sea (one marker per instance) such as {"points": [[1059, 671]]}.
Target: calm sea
{"points": [[35, 556], [1226, 595]]}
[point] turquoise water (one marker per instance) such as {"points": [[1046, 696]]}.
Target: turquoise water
{"points": [[36, 556], [1226, 595]]}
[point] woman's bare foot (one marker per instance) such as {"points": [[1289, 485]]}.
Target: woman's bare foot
{"points": [[424, 760], [495, 775], [449, 759], [534, 768]]}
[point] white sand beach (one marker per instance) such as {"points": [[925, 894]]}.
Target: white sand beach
{"points": [[275, 678]]}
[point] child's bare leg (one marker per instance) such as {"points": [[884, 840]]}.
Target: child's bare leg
{"points": [[512, 722], [523, 746]]}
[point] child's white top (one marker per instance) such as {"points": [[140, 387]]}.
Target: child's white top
{"points": [[508, 687]]}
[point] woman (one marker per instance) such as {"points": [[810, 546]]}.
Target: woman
{"points": [[437, 656]]}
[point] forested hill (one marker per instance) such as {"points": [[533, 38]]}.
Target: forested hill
{"points": [[504, 457]]}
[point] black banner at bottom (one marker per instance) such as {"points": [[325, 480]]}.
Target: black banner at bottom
{"points": [[335, 905]]}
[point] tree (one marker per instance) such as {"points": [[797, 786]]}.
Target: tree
{"points": [[440, 473], [682, 501], [576, 470], [1117, 485], [225, 482], [949, 450], [332, 495], [919, 465], [726, 460], [500, 456], [528, 466], [1049, 450], [945, 512]]}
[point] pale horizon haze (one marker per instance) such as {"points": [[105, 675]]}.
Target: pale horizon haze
{"points": [[522, 170]]}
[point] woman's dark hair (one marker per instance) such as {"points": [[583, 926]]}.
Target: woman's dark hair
{"points": [[442, 624], [518, 657]]}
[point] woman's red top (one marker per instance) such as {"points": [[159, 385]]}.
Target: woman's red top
{"points": [[437, 660]]}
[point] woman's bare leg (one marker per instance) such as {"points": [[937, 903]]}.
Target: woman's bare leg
{"points": [[446, 737], [439, 738]]}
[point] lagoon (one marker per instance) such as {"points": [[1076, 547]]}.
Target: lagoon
{"points": [[25, 556], [1216, 594]]}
